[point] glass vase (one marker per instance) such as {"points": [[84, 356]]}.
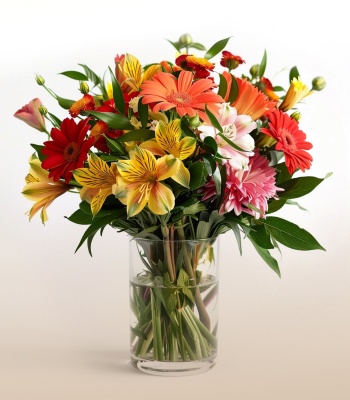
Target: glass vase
{"points": [[173, 305]]}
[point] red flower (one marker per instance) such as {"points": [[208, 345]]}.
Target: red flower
{"points": [[200, 66], [230, 61], [290, 140], [67, 150]]}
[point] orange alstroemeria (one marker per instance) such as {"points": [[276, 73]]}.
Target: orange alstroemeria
{"points": [[97, 181], [250, 100], [140, 182], [41, 189]]}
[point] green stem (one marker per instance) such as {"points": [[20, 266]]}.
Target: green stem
{"points": [[203, 314], [157, 329]]}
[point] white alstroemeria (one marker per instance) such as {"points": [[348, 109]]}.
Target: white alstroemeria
{"points": [[236, 128]]}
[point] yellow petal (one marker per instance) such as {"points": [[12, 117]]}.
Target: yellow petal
{"points": [[187, 146], [132, 69], [167, 166], [150, 71], [161, 199], [136, 201], [182, 176], [98, 200], [153, 147]]}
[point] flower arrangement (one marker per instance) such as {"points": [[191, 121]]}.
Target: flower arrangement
{"points": [[186, 149], [163, 145]]}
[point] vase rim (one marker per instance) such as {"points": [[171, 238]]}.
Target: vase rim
{"points": [[149, 240]]}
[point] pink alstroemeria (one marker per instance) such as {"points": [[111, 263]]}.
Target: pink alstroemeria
{"points": [[31, 115], [236, 129]]}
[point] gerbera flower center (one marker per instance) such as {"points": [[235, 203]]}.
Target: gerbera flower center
{"points": [[180, 99], [288, 140], [71, 152]]}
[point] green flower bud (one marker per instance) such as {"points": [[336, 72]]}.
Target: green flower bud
{"points": [[254, 70], [43, 110], [194, 121], [318, 83], [84, 88], [296, 115], [40, 80], [185, 39]]}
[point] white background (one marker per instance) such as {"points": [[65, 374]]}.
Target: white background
{"points": [[64, 316]]}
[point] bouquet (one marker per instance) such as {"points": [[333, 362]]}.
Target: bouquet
{"points": [[176, 150]]}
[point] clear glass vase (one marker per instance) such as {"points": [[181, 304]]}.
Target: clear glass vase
{"points": [[173, 305]]}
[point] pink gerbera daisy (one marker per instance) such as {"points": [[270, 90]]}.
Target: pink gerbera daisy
{"points": [[187, 96], [290, 140], [67, 150], [254, 187]]}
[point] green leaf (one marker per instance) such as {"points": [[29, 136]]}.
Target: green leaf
{"points": [[117, 93], [143, 113], [138, 135], [233, 91], [293, 73], [38, 149], [114, 146], [222, 86], [282, 173], [65, 103], [213, 119], [114, 121], [197, 46], [198, 175], [275, 205], [298, 187], [266, 256], [261, 237], [78, 76], [262, 65], [175, 44], [216, 48], [55, 120], [93, 77], [290, 235], [80, 217], [211, 142], [99, 223]]}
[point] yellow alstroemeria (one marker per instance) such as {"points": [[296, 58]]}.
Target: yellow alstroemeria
{"points": [[140, 182], [296, 92], [97, 181], [41, 189], [132, 69], [168, 141]]}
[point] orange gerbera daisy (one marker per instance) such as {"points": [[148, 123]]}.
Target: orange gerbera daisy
{"points": [[250, 100], [188, 97], [290, 140]]}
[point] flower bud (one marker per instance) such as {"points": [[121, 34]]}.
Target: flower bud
{"points": [[43, 110], [84, 88], [318, 83], [185, 39], [254, 70], [296, 115], [194, 121], [40, 80]]}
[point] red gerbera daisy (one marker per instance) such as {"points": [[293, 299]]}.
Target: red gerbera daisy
{"points": [[67, 150], [290, 140]]}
